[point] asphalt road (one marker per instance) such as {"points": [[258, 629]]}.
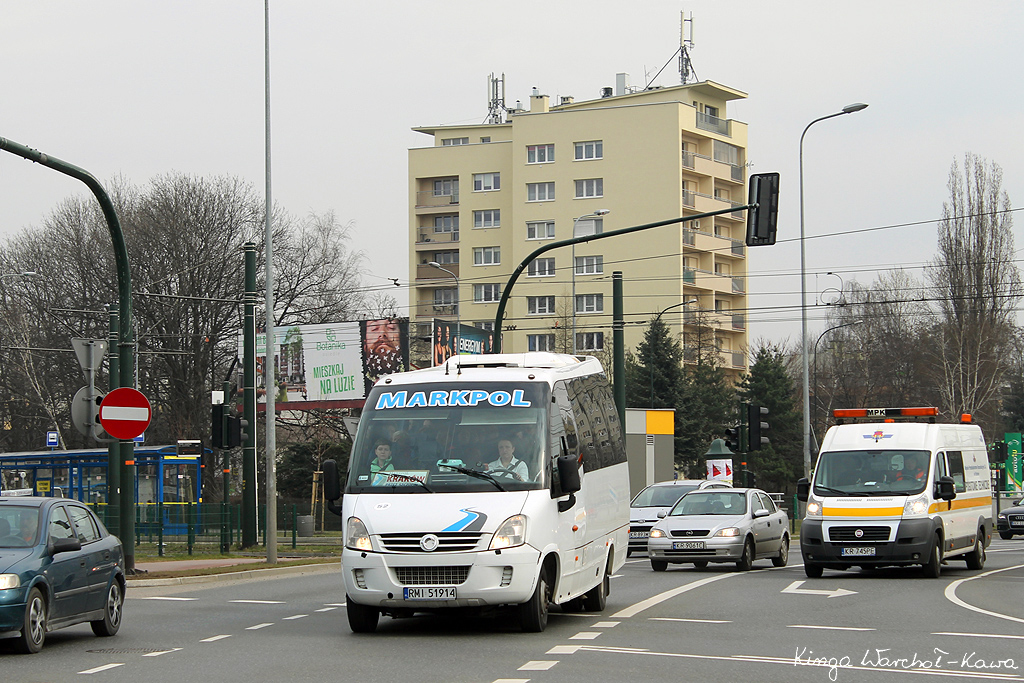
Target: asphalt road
{"points": [[681, 625]]}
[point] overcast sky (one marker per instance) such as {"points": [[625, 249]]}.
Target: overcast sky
{"points": [[137, 89]]}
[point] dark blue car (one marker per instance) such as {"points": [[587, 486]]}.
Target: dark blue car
{"points": [[58, 567]]}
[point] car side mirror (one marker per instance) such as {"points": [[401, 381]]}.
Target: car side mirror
{"points": [[945, 488], [803, 489], [662, 514], [761, 513], [65, 545]]}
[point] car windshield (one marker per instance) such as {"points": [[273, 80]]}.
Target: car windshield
{"points": [[661, 496], [711, 503], [19, 526], [452, 437], [867, 473]]}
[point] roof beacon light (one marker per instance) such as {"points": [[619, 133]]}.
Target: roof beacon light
{"points": [[852, 413], [966, 418]]}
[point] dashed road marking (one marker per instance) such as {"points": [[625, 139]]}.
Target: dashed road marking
{"points": [[327, 609], [213, 639], [633, 610], [296, 616], [258, 626], [585, 635], [606, 624], [563, 650], [979, 635], [162, 652], [167, 598], [98, 669], [258, 602], [692, 621], [831, 628], [538, 665]]}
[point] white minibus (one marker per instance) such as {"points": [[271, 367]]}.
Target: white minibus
{"points": [[491, 480]]}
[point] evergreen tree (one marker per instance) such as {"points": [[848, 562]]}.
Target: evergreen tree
{"points": [[780, 463], [710, 406]]}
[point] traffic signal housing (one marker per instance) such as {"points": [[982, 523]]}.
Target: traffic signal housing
{"points": [[217, 426], [732, 439], [237, 432], [756, 425], [764, 217]]}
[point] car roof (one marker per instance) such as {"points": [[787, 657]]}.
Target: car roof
{"points": [[28, 501], [679, 482]]}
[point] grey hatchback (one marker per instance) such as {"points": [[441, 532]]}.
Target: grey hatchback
{"points": [[58, 567]]}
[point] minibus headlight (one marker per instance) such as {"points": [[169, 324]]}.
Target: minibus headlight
{"points": [[511, 533], [916, 506], [813, 509], [356, 537], [728, 532], [657, 533], [8, 581]]}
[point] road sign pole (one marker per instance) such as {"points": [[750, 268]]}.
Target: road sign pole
{"points": [[249, 399], [112, 517]]}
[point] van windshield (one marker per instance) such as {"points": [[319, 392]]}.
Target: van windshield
{"points": [[871, 473], [452, 437]]}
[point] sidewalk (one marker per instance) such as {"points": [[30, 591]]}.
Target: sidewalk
{"points": [[141, 580]]}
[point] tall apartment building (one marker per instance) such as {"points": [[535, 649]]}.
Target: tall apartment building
{"points": [[483, 197]]}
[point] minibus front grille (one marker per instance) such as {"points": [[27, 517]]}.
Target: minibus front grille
{"points": [[448, 542], [848, 534], [431, 576]]}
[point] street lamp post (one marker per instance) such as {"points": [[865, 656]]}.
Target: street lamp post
{"points": [[848, 109], [855, 322], [656, 319], [458, 312], [595, 214]]}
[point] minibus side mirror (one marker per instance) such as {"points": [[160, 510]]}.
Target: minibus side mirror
{"points": [[332, 486], [569, 480], [803, 489], [945, 488]]}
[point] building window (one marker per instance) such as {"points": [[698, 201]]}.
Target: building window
{"points": [[592, 187], [726, 153], [446, 187], [486, 138], [488, 218], [540, 230], [489, 293], [593, 149], [446, 223], [540, 154], [446, 297], [540, 192], [486, 256], [446, 257], [590, 303], [449, 142], [541, 267], [484, 324], [590, 341], [538, 305], [589, 265], [485, 182], [540, 342]]}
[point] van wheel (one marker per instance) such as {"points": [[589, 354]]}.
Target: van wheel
{"points": [[813, 571], [976, 558], [659, 565], [597, 597], [33, 630], [932, 569], [782, 558], [746, 560], [1006, 535], [533, 614], [361, 618]]}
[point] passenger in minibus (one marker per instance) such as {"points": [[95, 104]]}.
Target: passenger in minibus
{"points": [[382, 460]]}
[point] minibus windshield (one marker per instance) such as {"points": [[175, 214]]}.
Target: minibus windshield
{"points": [[871, 473], [452, 437]]}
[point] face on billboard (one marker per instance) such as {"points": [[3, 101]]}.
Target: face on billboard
{"points": [[382, 348]]}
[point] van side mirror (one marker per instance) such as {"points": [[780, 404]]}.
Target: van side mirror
{"points": [[332, 486], [803, 489], [945, 488]]}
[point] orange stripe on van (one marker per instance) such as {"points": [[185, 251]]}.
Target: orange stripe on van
{"points": [[960, 504], [862, 512]]}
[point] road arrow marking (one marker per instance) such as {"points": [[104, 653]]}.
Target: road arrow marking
{"points": [[795, 589]]}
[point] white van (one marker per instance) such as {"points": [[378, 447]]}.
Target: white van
{"points": [[897, 493], [446, 517]]}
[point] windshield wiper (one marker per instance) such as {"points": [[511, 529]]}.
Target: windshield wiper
{"points": [[474, 473], [819, 487], [406, 477]]}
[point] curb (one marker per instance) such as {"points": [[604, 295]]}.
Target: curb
{"points": [[245, 575]]}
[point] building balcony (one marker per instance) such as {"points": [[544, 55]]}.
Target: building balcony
{"points": [[714, 124], [429, 202], [425, 272], [428, 239], [433, 310]]}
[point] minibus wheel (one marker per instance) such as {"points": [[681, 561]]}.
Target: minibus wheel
{"points": [[597, 597], [533, 614], [361, 618]]}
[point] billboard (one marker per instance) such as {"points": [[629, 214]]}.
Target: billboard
{"points": [[331, 361], [474, 340], [720, 469]]}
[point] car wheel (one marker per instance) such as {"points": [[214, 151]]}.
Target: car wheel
{"points": [[1006, 535], [932, 569], [813, 571], [112, 611], [33, 630], [976, 558], [782, 558], [361, 618], [701, 564], [533, 614], [746, 560], [659, 565]]}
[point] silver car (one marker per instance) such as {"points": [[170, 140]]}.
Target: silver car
{"points": [[655, 501], [721, 525]]}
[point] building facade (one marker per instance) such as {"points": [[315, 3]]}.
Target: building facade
{"points": [[483, 197]]}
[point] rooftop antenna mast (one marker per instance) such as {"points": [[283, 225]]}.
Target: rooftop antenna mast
{"points": [[495, 99], [686, 71]]}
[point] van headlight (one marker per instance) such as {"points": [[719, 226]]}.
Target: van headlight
{"points": [[8, 581], [511, 533], [356, 537], [813, 508], [916, 507]]}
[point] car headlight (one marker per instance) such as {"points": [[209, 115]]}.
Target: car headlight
{"points": [[916, 506], [813, 509], [356, 537], [8, 581], [657, 533], [1002, 515], [511, 533], [728, 532]]}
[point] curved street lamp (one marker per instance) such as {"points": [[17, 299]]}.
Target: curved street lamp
{"points": [[855, 322], [848, 109], [597, 213], [458, 312]]}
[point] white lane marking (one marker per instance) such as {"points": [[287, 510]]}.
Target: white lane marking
{"points": [[692, 621], [831, 628], [98, 669], [295, 616], [162, 652], [633, 610], [950, 593], [615, 576], [257, 627], [537, 666], [585, 635], [158, 597], [795, 589], [563, 650], [335, 604], [214, 638], [258, 602], [511, 680], [978, 635], [326, 609], [606, 624]]}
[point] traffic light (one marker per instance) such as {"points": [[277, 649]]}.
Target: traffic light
{"points": [[997, 451], [217, 426], [762, 220], [732, 439], [756, 426], [236, 431]]}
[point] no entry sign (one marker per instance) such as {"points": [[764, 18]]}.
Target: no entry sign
{"points": [[125, 413]]}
